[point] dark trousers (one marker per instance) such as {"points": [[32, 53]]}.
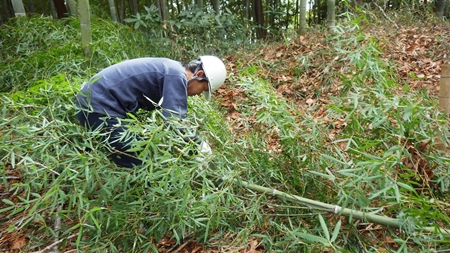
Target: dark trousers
{"points": [[113, 129]]}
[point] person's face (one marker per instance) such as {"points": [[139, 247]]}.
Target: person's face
{"points": [[197, 87]]}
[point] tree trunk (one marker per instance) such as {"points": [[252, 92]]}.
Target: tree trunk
{"points": [[122, 11], [440, 6], [296, 15], [85, 22], [6, 11], [444, 101], [53, 9], [112, 9], [134, 7], [19, 9], [215, 5], [199, 3], [331, 10], [246, 15], [288, 17], [72, 6], [270, 19], [258, 14], [302, 17], [31, 6], [446, 9], [61, 9], [163, 11]]}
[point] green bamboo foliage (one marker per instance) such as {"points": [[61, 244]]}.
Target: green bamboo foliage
{"points": [[85, 22], [65, 174], [364, 216]]}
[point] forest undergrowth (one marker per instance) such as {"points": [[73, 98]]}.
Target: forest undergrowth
{"points": [[346, 117]]}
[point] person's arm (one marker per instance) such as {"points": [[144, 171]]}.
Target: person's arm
{"points": [[174, 105]]}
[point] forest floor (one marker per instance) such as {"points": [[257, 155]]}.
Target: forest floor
{"points": [[417, 52]]}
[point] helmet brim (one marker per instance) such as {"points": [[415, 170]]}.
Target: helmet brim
{"points": [[215, 72], [207, 93]]}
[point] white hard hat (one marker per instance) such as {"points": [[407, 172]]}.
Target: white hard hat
{"points": [[215, 72]]}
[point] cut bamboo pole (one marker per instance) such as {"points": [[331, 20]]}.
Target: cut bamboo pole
{"points": [[444, 88], [444, 100], [364, 216]]}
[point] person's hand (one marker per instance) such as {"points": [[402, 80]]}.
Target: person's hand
{"points": [[204, 151]]}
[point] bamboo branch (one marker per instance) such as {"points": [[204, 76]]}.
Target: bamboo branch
{"points": [[384, 14], [11, 178], [383, 220], [49, 247], [35, 163]]}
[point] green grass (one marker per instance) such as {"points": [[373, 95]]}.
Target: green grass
{"points": [[64, 173]]}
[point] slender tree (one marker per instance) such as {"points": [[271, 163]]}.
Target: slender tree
{"points": [[163, 11], [85, 22], [440, 6], [122, 11], [258, 15], [30, 5], [134, 6], [447, 8], [302, 17], [331, 11], [19, 9], [215, 5], [72, 6], [6, 10], [164, 14], [53, 9], [61, 9], [112, 9], [270, 17]]}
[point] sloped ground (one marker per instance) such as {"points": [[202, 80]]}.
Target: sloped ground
{"points": [[418, 54]]}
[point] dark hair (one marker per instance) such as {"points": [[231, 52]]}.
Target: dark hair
{"points": [[194, 66]]}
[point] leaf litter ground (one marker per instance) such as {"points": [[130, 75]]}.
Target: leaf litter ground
{"points": [[417, 54]]}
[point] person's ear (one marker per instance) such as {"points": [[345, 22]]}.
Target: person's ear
{"points": [[200, 73]]}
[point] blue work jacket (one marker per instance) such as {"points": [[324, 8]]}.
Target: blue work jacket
{"points": [[128, 86]]}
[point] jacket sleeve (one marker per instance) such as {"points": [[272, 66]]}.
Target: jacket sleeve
{"points": [[174, 104], [174, 96]]}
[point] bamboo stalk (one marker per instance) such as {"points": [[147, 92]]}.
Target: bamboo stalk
{"points": [[444, 100], [444, 88], [383, 220]]}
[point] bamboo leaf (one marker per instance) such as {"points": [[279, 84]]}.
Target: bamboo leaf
{"points": [[13, 159], [333, 159], [312, 238], [328, 176], [406, 186], [336, 230], [9, 202], [324, 227], [384, 190]]}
